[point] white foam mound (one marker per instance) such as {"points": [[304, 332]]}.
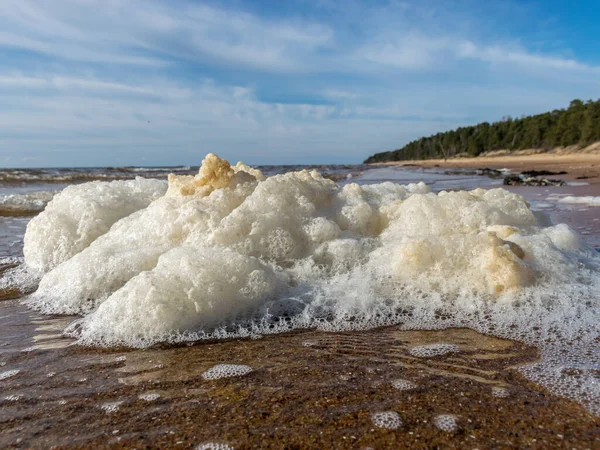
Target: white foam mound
{"points": [[586, 200], [80, 214], [229, 253], [190, 288]]}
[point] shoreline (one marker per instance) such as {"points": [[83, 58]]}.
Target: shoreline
{"points": [[307, 389], [579, 166]]}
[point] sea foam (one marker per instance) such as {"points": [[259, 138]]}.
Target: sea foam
{"points": [[78, 215], [229, 253]]}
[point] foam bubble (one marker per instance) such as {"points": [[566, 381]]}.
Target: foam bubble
{"points": [[500, 392], [9, 374], [446, 422], [214, 446], [226, 371], [13, 397], [150, 396], [431, 350], [387, 419], [111, 407], [403, 385]]}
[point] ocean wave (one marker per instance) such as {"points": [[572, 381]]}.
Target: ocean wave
{"points": [[27, 204], [81, 175], [160, 169], [25, 176], [583, 200]]}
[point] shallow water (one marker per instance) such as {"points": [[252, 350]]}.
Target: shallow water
{"points": [[308, 386], [307, 390]]}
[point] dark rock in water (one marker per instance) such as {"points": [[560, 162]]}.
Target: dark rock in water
{"points": [[517, 180], [486, 171], [530, 178], [541, 173], [513, 180]]}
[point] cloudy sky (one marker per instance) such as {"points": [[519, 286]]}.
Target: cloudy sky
{"points": [[163, 82]]}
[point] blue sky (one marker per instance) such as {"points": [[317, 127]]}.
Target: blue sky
{"points": [[159, 82]]}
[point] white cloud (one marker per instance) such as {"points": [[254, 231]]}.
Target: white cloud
{"points": [[418, 52], [404, 52], [70, 83], [159, 33], [74, 116], [129, 76], [21, 81], [124, 32], [499, 55], [339, 94]]}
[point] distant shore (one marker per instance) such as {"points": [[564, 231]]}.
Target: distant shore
{"points": [[579, 166]]}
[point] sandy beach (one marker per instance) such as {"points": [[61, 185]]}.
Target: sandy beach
{"points": [[579, 166]]}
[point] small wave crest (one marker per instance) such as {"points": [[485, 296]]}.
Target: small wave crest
{"points": [[75, 175], [584, 200], [27, 204]]}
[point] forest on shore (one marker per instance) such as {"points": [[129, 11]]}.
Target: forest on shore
{"points": [[579, 124]]}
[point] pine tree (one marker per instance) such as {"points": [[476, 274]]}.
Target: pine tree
{"points": [[578, 124]]}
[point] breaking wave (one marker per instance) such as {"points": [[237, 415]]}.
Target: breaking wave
{"points": [[27, 204], [585, 200], [82, 175]]}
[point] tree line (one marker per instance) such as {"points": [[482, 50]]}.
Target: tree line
{"points": [[579, 124]]}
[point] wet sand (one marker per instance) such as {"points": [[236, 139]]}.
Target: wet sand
{"points": [[579, 166], [307, 390]]}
